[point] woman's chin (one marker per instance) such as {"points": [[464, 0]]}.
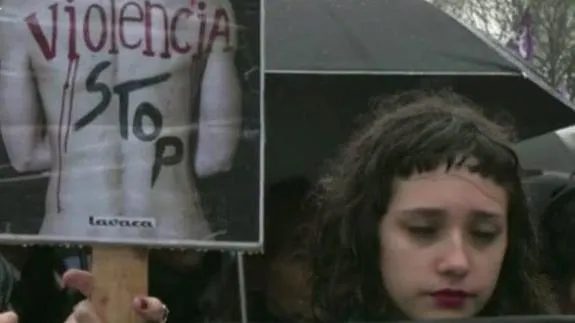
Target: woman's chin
{"points": [[442, 314]]}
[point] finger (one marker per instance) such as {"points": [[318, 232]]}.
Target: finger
{"points": [[149, 308], [79, 280], [85, 312], [8, 317], [84, 282]]}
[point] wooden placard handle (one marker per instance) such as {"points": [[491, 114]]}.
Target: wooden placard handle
{"points": [[120, 274]]}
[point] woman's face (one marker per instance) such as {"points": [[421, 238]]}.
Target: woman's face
{"points": [[442, 243]]}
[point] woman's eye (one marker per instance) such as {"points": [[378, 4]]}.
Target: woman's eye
{"points": [[423, 231], [484, 236]]}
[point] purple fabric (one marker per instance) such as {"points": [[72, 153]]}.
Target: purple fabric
{"points": [[524, 43]]}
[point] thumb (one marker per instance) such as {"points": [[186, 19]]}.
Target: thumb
{"points": [[85, 312], [8, 317]]}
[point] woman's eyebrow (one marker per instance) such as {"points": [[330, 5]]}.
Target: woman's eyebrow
{"points": [[425, 212], [485, 215], [434, 212]]}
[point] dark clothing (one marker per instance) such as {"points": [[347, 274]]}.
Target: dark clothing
{"points": [[37, 296]]}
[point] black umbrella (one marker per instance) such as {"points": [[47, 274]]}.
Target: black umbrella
{"points": [[541, 188], [554, 151], [325, 59], [367, 36]]}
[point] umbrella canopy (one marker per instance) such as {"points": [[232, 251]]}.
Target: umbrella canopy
{"points": [[554, 151], [540, 189], [325, 59], [407, 37]]}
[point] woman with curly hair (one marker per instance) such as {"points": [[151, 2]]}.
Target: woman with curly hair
{"points": [[422, 216]]}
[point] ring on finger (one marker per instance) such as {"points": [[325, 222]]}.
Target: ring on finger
{"points": [[165, 314]]}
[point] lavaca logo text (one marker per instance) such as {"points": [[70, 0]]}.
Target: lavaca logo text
{"points": [[108, 221]]}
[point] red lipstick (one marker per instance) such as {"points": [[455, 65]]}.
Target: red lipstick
{"points": [[450, 298]]}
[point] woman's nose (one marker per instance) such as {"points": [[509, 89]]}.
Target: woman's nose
{"points": [[454, 258]]}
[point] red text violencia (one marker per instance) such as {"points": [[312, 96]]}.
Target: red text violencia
{"points": [[112, 26]]}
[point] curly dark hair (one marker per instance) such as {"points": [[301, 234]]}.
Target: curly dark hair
{"points": [[413, 133]]}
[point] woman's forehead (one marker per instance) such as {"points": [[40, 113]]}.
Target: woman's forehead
{"points": [[448, 191]]}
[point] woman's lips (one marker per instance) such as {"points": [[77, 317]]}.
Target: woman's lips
{"points": [[450, 299]]}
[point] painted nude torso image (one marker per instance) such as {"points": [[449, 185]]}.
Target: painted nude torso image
{"points": [[102, 94]]}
